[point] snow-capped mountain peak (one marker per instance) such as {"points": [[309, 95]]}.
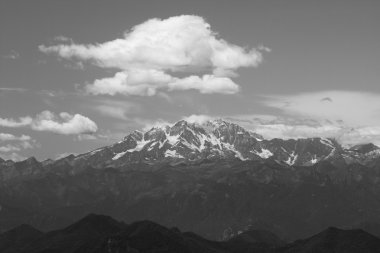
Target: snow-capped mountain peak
{"points": [[220, 139]]}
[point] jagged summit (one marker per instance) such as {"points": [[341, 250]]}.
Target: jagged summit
{"points": [[213, 140], [216, 139]]}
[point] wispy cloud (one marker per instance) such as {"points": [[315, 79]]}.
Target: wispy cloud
{"points": [[12, 55], [61, 38], [11, 89], [302, 126], [354, 108], [114, 108]]}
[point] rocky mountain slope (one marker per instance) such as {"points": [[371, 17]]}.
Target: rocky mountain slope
{"points": [[215, 179]]}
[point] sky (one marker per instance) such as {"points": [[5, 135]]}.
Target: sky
{"points": [[79, 75]]}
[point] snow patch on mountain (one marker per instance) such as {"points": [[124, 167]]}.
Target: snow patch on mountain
{"points": [[172, 153], [119, 155], [264, 153], [233, 149], [292, 159], [140, 145]]}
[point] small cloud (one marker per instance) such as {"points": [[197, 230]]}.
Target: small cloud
{"points": [[198, 119], [86, 137], [63, 155], [12, 143], [64, 123], [14, 123], [11, 137], [13, 156], [206, 84], [118, 109], [263, 48], [149, 124], [13, 55], [326, 99], [9, 148], [62, 38]]}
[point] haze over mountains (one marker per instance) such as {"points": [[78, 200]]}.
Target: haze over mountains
{"points": [[214, 179]]}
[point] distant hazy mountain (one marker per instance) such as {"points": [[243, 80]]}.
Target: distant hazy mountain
{"points": [[216, 179], [100, 234]]}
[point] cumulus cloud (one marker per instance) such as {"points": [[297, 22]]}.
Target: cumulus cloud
{"points": [[64, 123], [151, 53]]}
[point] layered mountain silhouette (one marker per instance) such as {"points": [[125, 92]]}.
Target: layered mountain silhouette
{"points": [[99, 234], [216, 179]]}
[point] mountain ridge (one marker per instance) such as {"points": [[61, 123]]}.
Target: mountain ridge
{"points": [[98, 233], [216, 139]]}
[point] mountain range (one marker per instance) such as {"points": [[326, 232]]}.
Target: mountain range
{"points": [[98, 233], [216, 179]]}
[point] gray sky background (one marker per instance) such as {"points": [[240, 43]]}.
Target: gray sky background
{"points": [[319, 74]]}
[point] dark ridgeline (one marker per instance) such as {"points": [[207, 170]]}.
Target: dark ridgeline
{"points": [[216, 179], [102, 234]]}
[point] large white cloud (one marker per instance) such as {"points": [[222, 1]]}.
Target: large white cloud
{"points": [[149, 51], [64, 123]]}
